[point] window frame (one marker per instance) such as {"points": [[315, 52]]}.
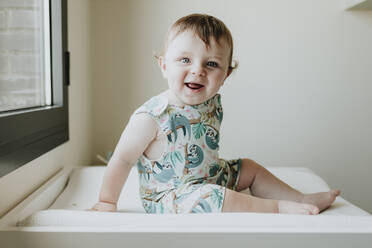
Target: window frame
{"points": [[29, 133]]}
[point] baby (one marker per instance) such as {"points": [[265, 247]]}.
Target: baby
{"points": [[174, 138]]}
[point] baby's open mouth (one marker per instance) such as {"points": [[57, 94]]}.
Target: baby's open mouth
{"points": [[194, 86]]}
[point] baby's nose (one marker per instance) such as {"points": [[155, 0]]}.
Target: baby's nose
{"points": [[198, 70]]}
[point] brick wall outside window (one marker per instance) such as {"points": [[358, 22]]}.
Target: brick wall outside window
{"points": [[21, 80]]}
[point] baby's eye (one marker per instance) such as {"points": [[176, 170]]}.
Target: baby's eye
{"points": [[212, 64], [185, 60]]}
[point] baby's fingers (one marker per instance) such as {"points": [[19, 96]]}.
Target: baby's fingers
{"points": [[103, 207], [91, 209]]}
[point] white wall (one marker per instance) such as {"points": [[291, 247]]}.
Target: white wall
{"points": [[300, 97], [111, 71], [77, 151]]}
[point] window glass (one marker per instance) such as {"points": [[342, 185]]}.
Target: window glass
{"points": [[25, 78]]}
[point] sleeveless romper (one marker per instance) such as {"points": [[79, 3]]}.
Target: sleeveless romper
{"points": [[189, 177]]}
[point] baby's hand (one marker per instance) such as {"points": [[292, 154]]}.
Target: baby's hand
{"points": [[104, 207]]}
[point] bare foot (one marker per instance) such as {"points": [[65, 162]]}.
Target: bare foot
{"points": [[290, 207], [322, 199]]}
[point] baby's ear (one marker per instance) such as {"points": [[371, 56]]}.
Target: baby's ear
{"points": [[229, 71], [162, 65]]}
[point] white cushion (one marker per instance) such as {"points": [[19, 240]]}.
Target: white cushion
{"points": [[84, 184]]}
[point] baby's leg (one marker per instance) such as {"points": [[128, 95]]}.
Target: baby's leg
{"points": [[263, 184], [239, 202]]}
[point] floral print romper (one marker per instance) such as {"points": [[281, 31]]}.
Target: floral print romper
{"points": [[189, 177]]}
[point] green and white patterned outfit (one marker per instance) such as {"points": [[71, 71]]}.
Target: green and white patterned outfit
{"points": [[189, 177]]}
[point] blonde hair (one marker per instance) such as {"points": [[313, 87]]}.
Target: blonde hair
{"points": [[205, 27]]}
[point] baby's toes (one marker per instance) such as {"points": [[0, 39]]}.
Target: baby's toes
{"points": [[310, 209], [335, 192], [332, 196]]}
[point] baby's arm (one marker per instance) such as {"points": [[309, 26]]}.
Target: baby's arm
{"points": [[138, 134]]}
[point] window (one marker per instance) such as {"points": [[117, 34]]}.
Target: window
{"points": [[34, 74]]}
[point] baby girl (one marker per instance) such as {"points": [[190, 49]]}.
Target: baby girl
{"points": [[173, 138]]}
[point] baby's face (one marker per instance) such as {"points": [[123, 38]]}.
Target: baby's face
{"points": [[195, 72]]}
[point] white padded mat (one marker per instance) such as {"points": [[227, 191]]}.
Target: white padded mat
{"points": [[82, 190]]}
